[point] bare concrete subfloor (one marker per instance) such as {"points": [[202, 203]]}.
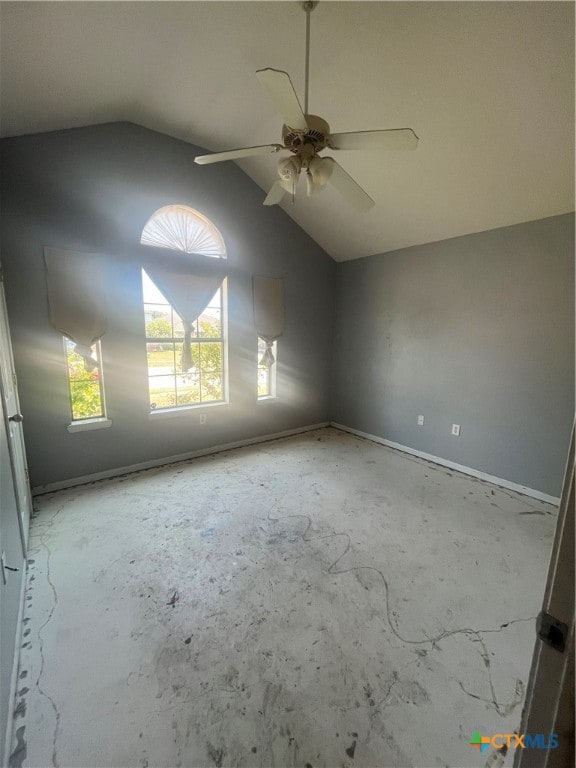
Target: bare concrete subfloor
{"points": [[313, 601]]}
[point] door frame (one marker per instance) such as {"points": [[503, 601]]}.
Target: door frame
{"points": [[549, 705], [13, 418]]}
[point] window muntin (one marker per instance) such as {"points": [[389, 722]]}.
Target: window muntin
{"points": [[266, 371], [204, 382], [85, 383]]}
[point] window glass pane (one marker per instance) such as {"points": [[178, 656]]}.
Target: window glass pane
{"points": [[161, 357], [86, 401], [150, 292], [211, 387], [183, 229], [177, 325], [188, 393], [211, 324], [211, 356], [263, 381], [215, 302], [162, 391], [158, 320]]}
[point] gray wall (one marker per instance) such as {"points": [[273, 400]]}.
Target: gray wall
{"points": [[477, 331], [93, 189]]}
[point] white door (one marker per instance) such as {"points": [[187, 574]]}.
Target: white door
{"points": [[12, 568], [13, 417]]}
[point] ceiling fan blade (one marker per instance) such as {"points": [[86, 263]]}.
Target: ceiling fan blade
{"points": [[236, 154], [395, 138], [277, 192], [349, 189], [280, 90]]}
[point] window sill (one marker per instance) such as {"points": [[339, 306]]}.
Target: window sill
{"points": [[267, 398], [185, 410], [89, 424]]}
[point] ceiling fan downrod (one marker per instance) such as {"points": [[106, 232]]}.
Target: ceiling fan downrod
{"points": [[308, 7]]}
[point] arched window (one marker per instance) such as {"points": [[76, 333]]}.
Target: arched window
{"points": [[183, 229], [184, 310]]}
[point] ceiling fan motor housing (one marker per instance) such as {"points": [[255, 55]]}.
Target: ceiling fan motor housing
{"points": [[307, 143]]}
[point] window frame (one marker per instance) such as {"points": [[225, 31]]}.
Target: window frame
{"points": [[222, 340], [207, 242], [101, 421]]}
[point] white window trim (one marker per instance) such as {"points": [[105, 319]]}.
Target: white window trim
{"points": [[182, 410], [210, 244], [86, 425], [96, 422]]}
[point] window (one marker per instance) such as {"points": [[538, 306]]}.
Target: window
{"points": [[171, 385], [85, 382], [266, 370], [183, 229], [185, 310]]}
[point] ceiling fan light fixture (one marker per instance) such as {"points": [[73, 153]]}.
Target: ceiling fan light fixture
{"points": [[289, 168], [321, 169]]}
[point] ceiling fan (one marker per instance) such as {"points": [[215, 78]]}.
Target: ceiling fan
{"points": [[305, 136]]}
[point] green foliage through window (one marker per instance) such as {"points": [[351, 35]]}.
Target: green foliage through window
{"points": [[85, 386]]}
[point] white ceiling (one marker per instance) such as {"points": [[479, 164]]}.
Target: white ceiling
{"points": [[488, 88]]}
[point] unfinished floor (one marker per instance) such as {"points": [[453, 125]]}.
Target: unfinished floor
{"points": [[313, 601]]}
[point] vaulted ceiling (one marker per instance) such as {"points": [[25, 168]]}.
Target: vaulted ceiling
{"points": [[488, 88]]}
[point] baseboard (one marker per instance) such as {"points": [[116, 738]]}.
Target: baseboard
{"points": [[9, 725], [72, 482], [452, 465]]}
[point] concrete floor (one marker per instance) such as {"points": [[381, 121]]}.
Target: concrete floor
{"points": [[313, 601]]}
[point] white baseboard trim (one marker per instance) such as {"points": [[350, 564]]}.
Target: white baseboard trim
{"points": [[72, 482], [9, 725], [452, 465]]}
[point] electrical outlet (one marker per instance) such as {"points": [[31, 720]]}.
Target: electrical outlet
{"points": [[456, 430], [421, 421], [202, 418]]}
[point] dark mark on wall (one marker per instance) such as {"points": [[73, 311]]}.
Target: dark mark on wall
{"points": [[173, 600], [350, 750]]}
